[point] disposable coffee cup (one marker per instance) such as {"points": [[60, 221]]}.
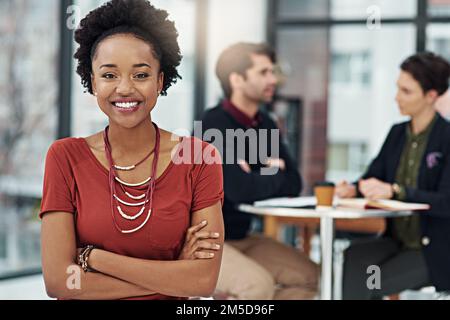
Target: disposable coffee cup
{"points": [[324, 192]]}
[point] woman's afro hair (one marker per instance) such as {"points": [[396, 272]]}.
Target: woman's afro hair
{"points": [[137, 17]]}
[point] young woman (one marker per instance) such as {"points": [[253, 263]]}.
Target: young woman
{"points": [[414, 166], [118, 211]]}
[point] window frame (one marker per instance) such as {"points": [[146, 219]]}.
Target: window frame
{"points": [[420, 21], [275, 24]]}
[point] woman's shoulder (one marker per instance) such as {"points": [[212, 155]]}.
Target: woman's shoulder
{"points": [[171, 140], [397, 130], [444, 123], [69, 150], [198, 146], [191, 150], [65, 144], [94, 141], [400, 125]]}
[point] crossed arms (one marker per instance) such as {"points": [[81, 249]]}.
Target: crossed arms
{"points": [[118, 276]]}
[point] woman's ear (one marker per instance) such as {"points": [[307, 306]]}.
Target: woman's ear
{"points": [[431, 96], [160, 82]]}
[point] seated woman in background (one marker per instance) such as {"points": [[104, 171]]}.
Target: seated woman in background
{"points": [[413, 166], [137, 216]]}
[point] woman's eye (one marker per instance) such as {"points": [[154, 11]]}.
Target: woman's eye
{"points": [[142, 75], [108, 76]]}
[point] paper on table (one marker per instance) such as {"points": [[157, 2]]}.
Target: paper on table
{"points": [[296, 202], [393, 205]]}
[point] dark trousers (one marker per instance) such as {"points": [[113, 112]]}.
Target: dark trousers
{"points": [[400, 269]]}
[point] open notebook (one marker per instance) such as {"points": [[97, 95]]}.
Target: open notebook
{"points": [[393, 205]]}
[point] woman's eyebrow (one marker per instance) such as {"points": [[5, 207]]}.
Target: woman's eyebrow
{"points": [[138, 65], [108, 66]]}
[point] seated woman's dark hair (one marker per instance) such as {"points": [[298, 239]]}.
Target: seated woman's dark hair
{"points": [[430, 70], [137, 17]]}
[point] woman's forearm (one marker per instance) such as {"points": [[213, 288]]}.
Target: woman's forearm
{"points": [[181, 278], [94, 286]]}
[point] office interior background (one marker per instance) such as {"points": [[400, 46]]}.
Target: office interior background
{"points": [[338, 64]]}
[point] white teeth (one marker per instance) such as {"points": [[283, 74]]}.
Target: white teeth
{"points": [[126, 105]]}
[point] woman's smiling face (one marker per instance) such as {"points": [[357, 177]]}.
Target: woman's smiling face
{"points": [[126, 79]]}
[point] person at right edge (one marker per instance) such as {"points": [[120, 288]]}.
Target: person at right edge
{"points": [[253, 266], [412, 166]]}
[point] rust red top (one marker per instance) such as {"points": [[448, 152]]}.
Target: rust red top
{"points": [[76, 182]]}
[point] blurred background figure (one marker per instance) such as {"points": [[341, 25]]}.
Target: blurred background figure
{"points": [[254, 266], [413, 166]]}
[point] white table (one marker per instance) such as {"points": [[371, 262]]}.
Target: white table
{"points": [[327, 215]]}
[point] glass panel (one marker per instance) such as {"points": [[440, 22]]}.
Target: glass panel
{"points": [[28, 116], [438, 39], [303, 8], [303, 59], [221, 34], [439, 8], [361, 106], [303, 56], [362, 9], [346, 9], [87, 117]]}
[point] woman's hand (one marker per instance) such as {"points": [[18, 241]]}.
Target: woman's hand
{"points": [[374, 189], [345, 190], [198, 244]]}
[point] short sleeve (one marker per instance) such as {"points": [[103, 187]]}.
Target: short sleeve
{"points": [[56, 194], [208, 182]]}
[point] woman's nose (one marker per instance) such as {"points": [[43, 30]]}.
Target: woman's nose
{"points": [[125, 87]]}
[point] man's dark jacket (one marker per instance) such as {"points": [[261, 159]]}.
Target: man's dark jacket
{"points": [[239, 186]]}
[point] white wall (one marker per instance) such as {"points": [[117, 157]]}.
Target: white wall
{"points": [[361, 113], [175, 111], [231, 21]]}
